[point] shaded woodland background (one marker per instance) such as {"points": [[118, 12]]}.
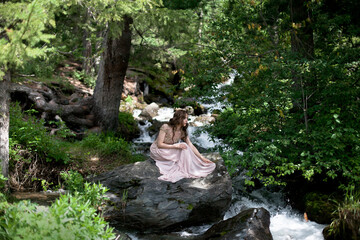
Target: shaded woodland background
{"points": [[293, 109]]}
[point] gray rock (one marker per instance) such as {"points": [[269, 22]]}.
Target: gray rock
{"points": [[138, 200], [150, 111], [250, 224]]}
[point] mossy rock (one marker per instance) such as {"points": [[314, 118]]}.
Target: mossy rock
{"points": [[184, 102], [216, 111], [155, 127], [319, 207], [128, 127]]}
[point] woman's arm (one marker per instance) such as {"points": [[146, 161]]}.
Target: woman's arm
{"points": [[197, 153], [160, 142]]}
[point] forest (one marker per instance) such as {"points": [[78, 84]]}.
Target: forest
{"points": [[291, 119]]}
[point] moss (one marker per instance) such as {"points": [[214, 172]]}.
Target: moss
{"points": [[128, 127], [319, 207], [223, 233]]}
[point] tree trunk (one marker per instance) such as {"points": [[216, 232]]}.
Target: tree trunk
{"points": [[109, 84], [302, 40], [4, 123], [87, 53], [302, 44]]}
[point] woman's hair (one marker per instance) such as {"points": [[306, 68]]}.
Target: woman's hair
{"points": [[177, 119]]}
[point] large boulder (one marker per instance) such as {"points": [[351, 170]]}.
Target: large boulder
{"points": [[138, 200], [150, 111], [250, 224]]}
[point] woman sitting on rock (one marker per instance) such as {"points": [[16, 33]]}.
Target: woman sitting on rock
{"points": [[176, 159]]}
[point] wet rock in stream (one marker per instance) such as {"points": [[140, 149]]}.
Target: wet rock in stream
{"points": [[138, 200]]}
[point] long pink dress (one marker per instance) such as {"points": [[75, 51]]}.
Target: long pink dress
{"points": [[176, 164]]}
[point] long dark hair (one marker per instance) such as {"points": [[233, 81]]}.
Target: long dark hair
{"points": [[176, 120]]}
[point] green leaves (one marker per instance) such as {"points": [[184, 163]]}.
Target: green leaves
{"points": [[23, 30], [27, 130], [70, 217], [288, 114]]}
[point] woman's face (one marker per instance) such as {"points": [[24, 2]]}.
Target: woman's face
{"points": [[185, 121]]}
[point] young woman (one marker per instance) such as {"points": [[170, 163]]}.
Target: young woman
{"points": [[175, 159]]}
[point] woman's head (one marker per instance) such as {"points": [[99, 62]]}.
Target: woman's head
{"points": [[179, 119]]}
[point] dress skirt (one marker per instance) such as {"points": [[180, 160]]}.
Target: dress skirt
{"points": [[176, 164]]}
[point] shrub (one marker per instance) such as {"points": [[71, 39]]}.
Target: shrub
{"points": [[94, 193], [2, 187], [347, 223], [41, 67], [27, 130], [73, 181], [107, 144], [88, 80], [128, 127], [70, 217]]}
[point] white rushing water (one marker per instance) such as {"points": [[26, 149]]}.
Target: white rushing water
{"points": [[144, 134], [285, 223]]}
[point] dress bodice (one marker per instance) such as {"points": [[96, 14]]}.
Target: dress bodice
{"points": [[171, 137]]}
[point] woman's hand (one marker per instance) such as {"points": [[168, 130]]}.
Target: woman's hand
{"points": [[206, 160], [181, 146]]}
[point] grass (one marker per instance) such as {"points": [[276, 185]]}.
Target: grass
{"points": [[346, 224]]}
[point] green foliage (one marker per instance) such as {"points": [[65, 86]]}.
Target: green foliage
{"points": [[107, 144], [346, 225], [73, 181], [88, 80], [179, 4], [319, 207], [94, 193], [70, 217], [128, 127], [287, 113], [3, 181], [28, 131], [24, 24], [42, 67]]}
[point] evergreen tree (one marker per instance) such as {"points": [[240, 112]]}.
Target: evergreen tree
{"points": [[22, 29]]}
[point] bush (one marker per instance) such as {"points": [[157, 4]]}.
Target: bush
{"points": [[347, 223], [88, 80], [128, 127], [43, 68], [70, 217], [28, 131], [73, 216], [73, 181], [106, 144], [2, 187]]}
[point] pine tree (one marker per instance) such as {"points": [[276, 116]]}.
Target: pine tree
{"points": [[22, 28]]}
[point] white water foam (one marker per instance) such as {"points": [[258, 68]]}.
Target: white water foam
{"points": [[164, 114], [144, 134], [285, 223], [202, 139]]}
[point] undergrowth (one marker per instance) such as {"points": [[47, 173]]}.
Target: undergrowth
{"points": [[72, 216], [37, 157], [346, 224]]}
